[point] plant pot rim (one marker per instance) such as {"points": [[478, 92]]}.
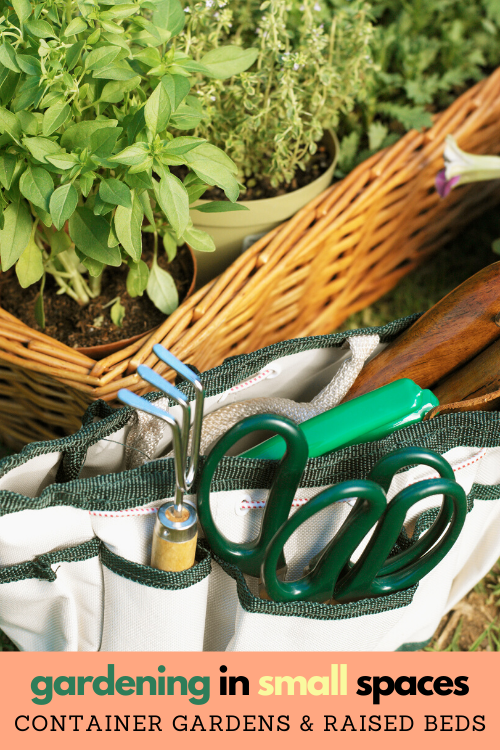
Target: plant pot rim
{"points": [[280, 203], [103, 350]]}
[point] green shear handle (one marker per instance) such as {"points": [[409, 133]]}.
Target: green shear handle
{"points": [[331, 573], [249, 556]]}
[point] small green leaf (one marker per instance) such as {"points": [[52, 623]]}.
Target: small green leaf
{"points": [[137, 279], [86, 182], [146, 205], [117, 313], [76, 26], [54, 117], [79, 134], [28, 122], [29, 64], [15, 234], [7, 167], [90, 234], [29, 267], [62, 204], [170, 246], [73, 54], [113, 240], [157, 110], [101, 57], [141, 180], [23, 9], [40, 29], [169, 14], [199, 240], [59, 242], [62, 160], [161, 289], [114, 91], [93, 266], [224, 62], [128, 223], [132, 155], [10, 124], [174, 202], [217, 207], [182, 145], [8, 57], [118, 72], [44, 216], [115, 192], [40, 147], [37, 186]]}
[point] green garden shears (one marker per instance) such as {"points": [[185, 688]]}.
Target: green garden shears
{"points": [[331, 574]]}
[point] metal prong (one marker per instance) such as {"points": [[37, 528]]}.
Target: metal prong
{"points": [[187, 374], [152, 377], [140, 403]]}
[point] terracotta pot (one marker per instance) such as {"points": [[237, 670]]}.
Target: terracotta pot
{"points": [[229, 230], [104, 350]]}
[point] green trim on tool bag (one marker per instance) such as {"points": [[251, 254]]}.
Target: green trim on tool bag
{"points": [[216, 381], [313, 610], [41, 568], [414, 646], [158, 579]]}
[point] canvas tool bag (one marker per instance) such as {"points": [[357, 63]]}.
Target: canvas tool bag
{"points": [[77, 516]]}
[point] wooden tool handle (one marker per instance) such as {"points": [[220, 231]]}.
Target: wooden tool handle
{"points": [[477, 378], [447, 336]]}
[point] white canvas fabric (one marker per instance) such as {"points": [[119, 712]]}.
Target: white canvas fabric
{"points": [[76, 528]]}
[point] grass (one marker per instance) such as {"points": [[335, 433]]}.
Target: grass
{"points": [[474, 624]]}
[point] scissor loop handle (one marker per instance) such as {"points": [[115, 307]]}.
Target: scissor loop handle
{"points": [[319, 583], [369, 577], [383, 473], [248, 556]]}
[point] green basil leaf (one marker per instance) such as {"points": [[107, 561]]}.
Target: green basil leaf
{"points": [[219, 207], [86, 182], [174, 202], [119, 72], [29, 64], [54, 117], [117, 312], [73, 54], [62, 160], [113, 240], [10, 124], [213, 173], [37, 186], [208, 151], [137, 279], [149, 56], [7, 167], [182, 145], [8, 57], [15, 234], [169, 14], [161, 289], [115, 192], [114, 91], [170, 246], [103, 141], [199, 240], [224, 62], [146, 206], [62, 204], [44, 216], [93, 266], [90, 234], [23, 9], [157, 110], [29, 267], [59, 242], [187, 117], [141, 180], [132, 155], [28, 122], [40, 29], [128, 223], [40, 148], [79, 134], [101, 57], [76, 26]]}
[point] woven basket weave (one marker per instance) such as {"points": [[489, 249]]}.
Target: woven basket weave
{"points": [[336, 256]]}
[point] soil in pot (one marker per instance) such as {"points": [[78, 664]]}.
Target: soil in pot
{"points": [[78, 326]]}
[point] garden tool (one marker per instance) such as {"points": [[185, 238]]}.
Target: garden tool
{"points": [[447, 336], [332, 574], [369, 417], [175, 533], [332, 570]]}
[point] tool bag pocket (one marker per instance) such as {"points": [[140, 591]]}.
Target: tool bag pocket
{"points": [[53, 603], [151, 610]]}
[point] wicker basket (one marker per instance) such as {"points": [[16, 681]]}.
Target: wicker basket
{"points": [[337, 255]]}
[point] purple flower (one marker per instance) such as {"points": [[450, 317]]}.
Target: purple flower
{"points": [[444, 186]]}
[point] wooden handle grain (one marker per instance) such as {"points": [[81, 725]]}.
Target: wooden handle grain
{"points": [[447, 336], [477, 378]]}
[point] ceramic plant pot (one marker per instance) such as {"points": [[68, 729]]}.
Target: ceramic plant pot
{"points": [[229, 230]]}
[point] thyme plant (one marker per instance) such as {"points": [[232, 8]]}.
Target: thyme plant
{"points": [[90, 94], [310, 66]]}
